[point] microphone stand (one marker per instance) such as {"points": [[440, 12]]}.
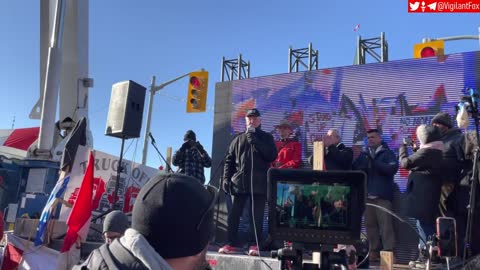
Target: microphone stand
{"points": [[154, 144], [473, 189]]}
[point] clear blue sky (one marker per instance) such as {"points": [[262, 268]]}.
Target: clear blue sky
{"points": [[137, 39]]}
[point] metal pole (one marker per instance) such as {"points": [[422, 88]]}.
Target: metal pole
{"points": [[223, 69], [119, 171], [316, 62], [290, 59], [359, 40], [52, 84], [154, 89], [382, 47], [149, 118], [310, 56], [239, 75], [248, 69]]}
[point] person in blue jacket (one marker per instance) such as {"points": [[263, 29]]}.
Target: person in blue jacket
{"points": [[380, 164]]}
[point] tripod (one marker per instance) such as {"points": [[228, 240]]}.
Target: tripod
{"points": [[473, 187]]}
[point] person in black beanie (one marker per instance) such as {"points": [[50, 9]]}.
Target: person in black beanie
{"points": [[245, 177], [172, 225], [191, 158], [114, 225]]}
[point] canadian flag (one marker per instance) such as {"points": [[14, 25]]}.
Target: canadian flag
{"points": [[79, 219]]}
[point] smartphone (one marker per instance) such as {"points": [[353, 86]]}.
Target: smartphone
{"points": [[447, 237]]}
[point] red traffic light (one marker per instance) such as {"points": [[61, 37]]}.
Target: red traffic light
{"points": [[194, 81], [427, 52]]}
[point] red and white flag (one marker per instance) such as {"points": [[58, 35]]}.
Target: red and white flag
{"points": [[356, 28], [79, 220]]}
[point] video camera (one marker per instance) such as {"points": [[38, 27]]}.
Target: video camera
{"points": [[316, 207], [317, 210]]}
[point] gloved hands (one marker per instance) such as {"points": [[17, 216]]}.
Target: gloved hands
{"points": [[251, 138], [200, 147], [185, 146], [227, 186]]}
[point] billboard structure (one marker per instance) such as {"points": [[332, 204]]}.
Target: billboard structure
{"points": [[394, 97]]}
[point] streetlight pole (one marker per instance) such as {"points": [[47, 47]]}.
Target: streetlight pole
{"points": [[153, 89]]}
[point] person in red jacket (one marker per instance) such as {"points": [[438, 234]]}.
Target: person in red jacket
{"points": [[289, 149]]}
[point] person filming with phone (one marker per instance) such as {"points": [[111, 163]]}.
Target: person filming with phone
{"points": [[425, 178], [191, 158]]}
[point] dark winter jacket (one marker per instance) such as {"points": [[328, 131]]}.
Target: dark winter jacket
{"points": [[131, 251], [380, 171], [453, 155], [191, 161], [424, 182], [337, 157], [238, 162]]}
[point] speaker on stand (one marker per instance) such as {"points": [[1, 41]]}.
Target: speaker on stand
{"points": [[124, 120]]}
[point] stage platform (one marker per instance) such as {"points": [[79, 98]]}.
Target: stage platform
{"points": [[242, 261]]}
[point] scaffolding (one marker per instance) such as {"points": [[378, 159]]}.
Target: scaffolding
{"points": [[235, 69], [369, 46], [295, 58]]}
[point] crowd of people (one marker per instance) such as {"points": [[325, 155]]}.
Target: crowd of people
{"points": [[162, 236]]}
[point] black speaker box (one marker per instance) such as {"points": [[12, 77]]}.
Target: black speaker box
{"points": [[125, 112]]}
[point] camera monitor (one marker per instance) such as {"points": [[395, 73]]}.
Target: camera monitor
{"points": [[316, 207]]}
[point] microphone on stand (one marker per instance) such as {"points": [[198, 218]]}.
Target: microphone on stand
{"points": [[151, 137], [169, 169]]}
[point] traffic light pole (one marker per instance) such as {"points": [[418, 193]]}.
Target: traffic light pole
{"points": [[153, 89], [475, 37]]}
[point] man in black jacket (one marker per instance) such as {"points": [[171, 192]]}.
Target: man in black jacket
{"points": [[337, 155], [380, 164], [245, 177]]}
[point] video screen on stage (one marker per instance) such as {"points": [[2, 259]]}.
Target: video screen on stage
{"points": [[394, 97], [313, 206]]}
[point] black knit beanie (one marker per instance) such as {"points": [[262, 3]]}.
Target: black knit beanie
{"points": [[116, 221], [190, 135], [443, 118], [174, 212]]}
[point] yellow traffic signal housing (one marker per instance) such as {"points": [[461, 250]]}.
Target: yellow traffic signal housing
{"points": [[429, 49], [197, 92]]}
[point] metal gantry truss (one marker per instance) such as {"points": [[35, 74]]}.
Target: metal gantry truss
{"points": [[235, 69], [368, 46], [295, 58]]}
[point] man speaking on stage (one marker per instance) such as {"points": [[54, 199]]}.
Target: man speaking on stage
{"points": [[245, 177]]}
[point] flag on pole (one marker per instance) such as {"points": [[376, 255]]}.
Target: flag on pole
{"points": [[57, 192], [79, 219], [356, 28]]}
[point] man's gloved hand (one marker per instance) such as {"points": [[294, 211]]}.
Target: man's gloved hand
{"points": [[227, 186], [185, 146], [251, 138], [200, 147]]}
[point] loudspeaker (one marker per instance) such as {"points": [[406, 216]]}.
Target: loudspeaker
{"points": [[125, 112]]}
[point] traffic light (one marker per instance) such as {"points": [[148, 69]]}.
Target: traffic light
{"points": [[197, 91], [429, 49]]}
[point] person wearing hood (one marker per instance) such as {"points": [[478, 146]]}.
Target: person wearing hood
{"points": [[425, 178], [380, 164], [172, 225], [191, 158]]}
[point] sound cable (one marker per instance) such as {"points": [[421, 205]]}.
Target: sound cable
{"points": [[253, 209], [399, 218]]}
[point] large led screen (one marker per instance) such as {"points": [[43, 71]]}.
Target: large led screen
{"points": [[394, 97]]}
